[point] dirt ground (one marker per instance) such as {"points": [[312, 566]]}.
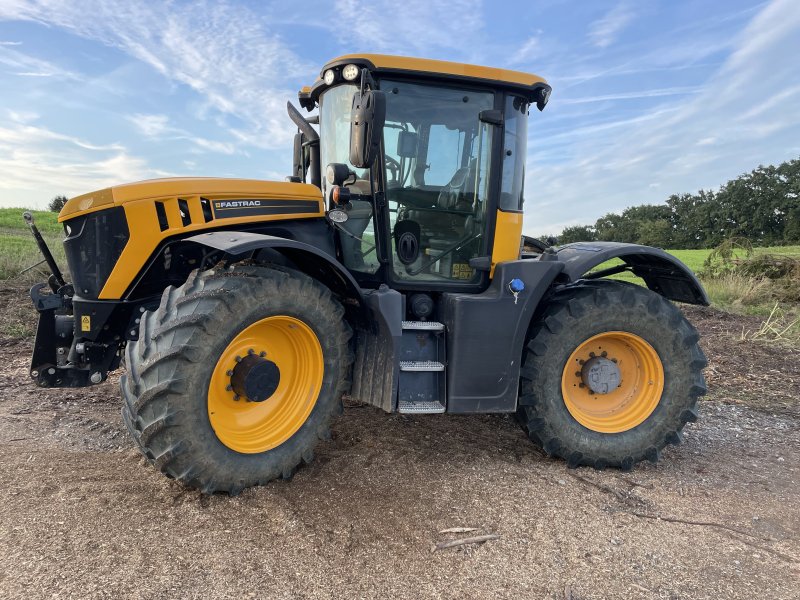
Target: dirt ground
{"points": [[84, 516]]}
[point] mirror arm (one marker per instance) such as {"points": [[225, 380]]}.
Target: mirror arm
{"points": [[312, 142]]}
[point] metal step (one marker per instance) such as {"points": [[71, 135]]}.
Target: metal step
{"points": [[421, 365], [423, 325], [420, 407]]}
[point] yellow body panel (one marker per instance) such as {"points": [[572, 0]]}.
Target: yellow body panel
{"points": [[207, 187], [507, 238], [254, 427], [426, 65], [138, 200]]}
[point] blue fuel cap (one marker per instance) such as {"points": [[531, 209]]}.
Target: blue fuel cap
{"points": [[516, 286]]}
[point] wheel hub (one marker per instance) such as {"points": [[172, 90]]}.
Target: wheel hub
{"points": [[255, 378], [601, 375]]}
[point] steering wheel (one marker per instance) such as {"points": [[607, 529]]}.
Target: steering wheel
{"points": [[393, 165]]}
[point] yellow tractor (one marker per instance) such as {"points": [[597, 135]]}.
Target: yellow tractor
{"points": [[389, 266]]}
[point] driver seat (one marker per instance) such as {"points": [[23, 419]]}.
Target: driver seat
{"points": [[441, 228]]}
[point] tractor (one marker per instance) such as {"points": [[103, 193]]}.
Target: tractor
{"points": [[390, 266]]}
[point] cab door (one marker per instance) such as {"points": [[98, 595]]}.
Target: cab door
{"points": [[438, 157]]}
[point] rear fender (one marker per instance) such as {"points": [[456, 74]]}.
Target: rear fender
{"points": [[661, 272]]}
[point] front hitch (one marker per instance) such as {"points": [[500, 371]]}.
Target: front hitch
{"points": [[58, 361], [56, 279]]}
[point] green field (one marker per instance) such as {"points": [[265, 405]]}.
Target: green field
{"points": [[18, 250], [11, 220]]}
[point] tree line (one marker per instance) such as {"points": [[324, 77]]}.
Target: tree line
{"points": [[762, 206]]}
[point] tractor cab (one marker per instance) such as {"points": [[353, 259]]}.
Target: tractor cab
{"points": [[423, 163]]}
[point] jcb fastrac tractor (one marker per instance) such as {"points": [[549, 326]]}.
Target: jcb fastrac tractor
{"points": [[390, 266]]}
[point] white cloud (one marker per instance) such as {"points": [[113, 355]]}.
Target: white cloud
{"points": [[530, 50], [716, 135], [37, 163], [157, 127], [21, 64], [225, 53], [657, 93], [604, 32], [421, 27], [150, 125]]}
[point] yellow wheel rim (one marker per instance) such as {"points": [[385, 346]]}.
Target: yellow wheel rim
{"points": [[253, 427], [641, 383]]}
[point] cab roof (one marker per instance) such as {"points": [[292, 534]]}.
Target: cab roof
{"points": [[528, 84]]}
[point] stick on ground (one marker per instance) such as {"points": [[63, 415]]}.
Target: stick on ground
{"points": [[478, 539]]}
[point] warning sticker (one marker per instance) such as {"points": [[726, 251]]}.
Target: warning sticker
{"points": [[86, 323], [462, 271]]}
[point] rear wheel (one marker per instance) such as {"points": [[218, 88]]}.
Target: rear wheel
{"points": [[611, 374], [236, 376]]}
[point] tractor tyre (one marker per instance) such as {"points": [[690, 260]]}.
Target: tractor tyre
{"points": [[611, 374], [236, 376]]}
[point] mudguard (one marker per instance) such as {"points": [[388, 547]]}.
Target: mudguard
{"points": [[312, 261], [661, 272]]}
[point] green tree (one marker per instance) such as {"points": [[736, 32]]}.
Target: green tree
{"points": [[57, 203], [577, 233]]}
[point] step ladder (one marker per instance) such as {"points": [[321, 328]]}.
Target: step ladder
{"points": [[422, 368]]}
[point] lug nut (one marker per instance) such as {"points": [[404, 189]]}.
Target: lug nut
{"points": [[238, 359], [604, 354], [251, 352], [262, 354], [229, 372], [236, 397], [228, 388]]}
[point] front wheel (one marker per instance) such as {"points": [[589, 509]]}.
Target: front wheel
{"points": [[611, 374], [236, 376]]}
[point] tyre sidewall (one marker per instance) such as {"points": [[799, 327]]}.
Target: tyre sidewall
{"points": [[603, 309]]}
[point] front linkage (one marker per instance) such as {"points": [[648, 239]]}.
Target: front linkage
{"points": [[61, 355]]}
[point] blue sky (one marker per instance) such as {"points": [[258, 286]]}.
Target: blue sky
{"points": [[649, 98]]}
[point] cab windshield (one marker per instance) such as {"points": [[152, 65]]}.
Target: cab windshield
{"points": [[359, 252]]}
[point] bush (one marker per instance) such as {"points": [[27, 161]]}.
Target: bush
{"points": [[57, 203]]}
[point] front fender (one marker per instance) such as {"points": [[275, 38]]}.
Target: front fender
{"points": [[661, 272], [308, 259]]}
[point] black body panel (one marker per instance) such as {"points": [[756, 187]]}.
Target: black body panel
{"points": [[662, 272], [310, 259], [93, 245], [176, 257], [376, 369], [485, 336]]}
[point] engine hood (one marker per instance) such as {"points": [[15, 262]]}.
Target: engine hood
{"points": [[210, 187]]}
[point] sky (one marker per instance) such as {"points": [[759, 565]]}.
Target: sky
{"points": [[650, 98]]}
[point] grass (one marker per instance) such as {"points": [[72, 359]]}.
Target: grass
{"points": [[11, 221], [18, 250]]}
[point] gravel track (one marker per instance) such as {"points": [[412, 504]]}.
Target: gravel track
{"points": [[719, 517]]}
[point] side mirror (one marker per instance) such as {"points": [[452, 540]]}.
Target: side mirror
{"points": [[367, 118]]}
